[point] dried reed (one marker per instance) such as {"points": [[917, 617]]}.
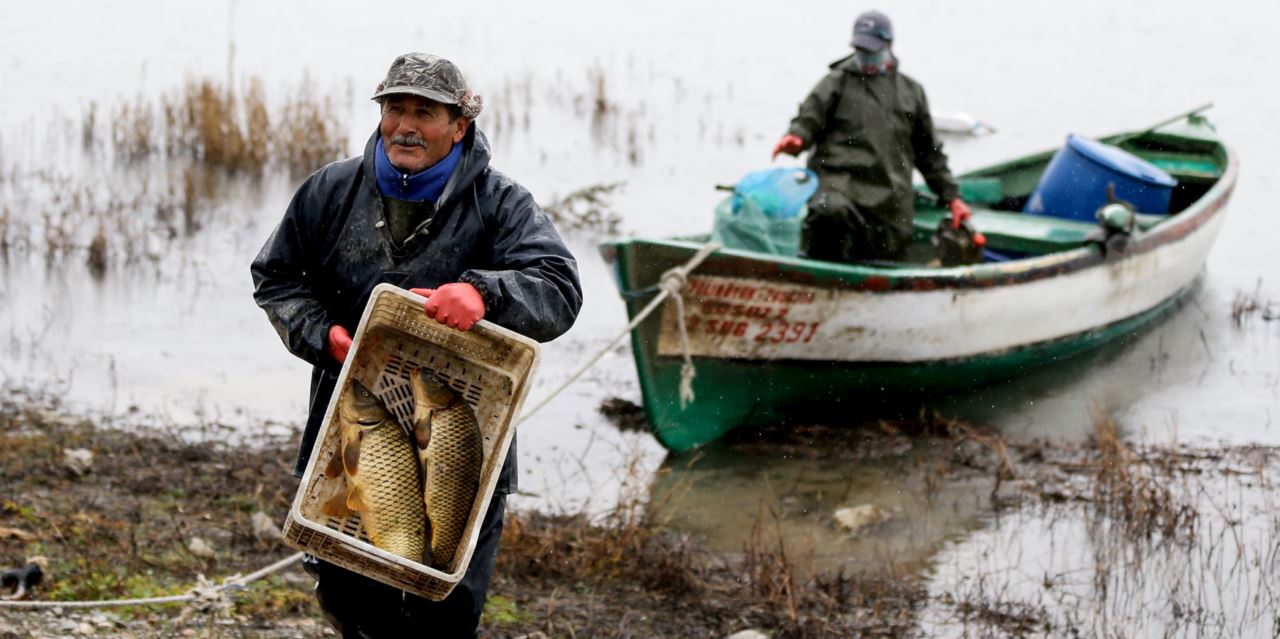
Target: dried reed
{"points": [[89, 126], [132, 129], [1245, 305], [767, 571], [9, 231], [98, 252], [1242, 306], [629, 540], [308, 135], [586, 208], [1131, 492], [216, 126], [600, 105]]}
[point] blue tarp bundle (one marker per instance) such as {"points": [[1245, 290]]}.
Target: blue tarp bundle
{"points": [[765, 212]]}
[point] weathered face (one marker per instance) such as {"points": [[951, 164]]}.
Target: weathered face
{"points": [[417, 132]]}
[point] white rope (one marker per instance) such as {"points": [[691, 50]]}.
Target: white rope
{"points": [[211, 597], [207, 595], [671, 283]]}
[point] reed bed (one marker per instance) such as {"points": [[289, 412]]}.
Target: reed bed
{"points": [[236, 128], [11, 233], [1162, 540], [1245, 305], [675, 588], [589, 208], [159, 168], [1136, 493]]}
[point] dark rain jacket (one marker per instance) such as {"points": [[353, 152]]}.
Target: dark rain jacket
{"points": [[333, 246], [866, 133]]}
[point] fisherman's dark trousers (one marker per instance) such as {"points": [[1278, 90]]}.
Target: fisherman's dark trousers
{"points": [[361, 608], [836, 230]]}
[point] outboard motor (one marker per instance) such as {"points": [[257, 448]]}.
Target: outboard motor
{"points": [[1117, 221], [957, 246]]}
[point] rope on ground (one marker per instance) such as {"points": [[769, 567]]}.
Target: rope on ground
{"points": [[671, 283], [206, 596]]}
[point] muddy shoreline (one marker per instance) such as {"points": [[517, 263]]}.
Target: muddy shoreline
{"points": [[141, 514]]}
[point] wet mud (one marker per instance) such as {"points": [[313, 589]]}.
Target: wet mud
{"points": [[122, 521]]}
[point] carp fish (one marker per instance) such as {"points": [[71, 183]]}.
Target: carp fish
{"points": [[447, 437], [383, 481]]}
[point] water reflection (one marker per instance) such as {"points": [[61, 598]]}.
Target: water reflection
{"points": [[793, 483]]}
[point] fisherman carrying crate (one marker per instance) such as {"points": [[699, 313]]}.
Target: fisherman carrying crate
{"points": [[421, 209]]}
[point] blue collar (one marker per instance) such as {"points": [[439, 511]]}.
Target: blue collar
{"points": [[426, 185]]}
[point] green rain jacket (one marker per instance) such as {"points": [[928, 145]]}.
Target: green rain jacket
{"points": [[866, 132]]}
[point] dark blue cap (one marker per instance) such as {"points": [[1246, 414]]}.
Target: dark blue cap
{"points": [[872, 31]]}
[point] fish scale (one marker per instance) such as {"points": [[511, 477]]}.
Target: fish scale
{"points": [[451, 479], [394, 520], [450, 463]]}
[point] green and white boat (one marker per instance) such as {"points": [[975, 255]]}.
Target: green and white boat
{"points": [[776, 338]]}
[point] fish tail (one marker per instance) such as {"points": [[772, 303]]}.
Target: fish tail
{"points": [[336, 504]]}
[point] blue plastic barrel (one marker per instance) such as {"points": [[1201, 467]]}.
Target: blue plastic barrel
{"points": [[1075, 183]]}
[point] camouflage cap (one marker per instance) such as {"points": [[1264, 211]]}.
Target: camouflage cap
{"points": [[431, 77]]}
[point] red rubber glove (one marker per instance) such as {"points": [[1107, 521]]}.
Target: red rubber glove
{"points": [[959, 213], [339, 343], [457, 305], [789, 144]]}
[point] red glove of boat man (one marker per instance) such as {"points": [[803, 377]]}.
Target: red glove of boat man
{"points": [[959, 213], [789, 144], [456, 305]]}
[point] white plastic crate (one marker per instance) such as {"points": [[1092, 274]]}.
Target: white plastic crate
{"points": [[489, 366]]}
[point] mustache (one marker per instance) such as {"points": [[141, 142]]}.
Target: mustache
{"points": [[408, 140]]}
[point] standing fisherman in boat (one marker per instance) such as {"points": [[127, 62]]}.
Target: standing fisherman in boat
{"points": [[867, 125]]}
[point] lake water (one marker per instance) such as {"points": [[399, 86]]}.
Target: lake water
{"points": [[695, 95]]}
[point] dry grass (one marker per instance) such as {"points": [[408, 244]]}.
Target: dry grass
{"points": [[769, 574], [628, 540], [104, 227], [600, 104], [59, 236], [964, 437], [196, 142], [10, 231], [308, 135], [670, 586], [132, 129], [586, 208], [122, 529], [98, 252], [1246, 305], [219, 126], [1243, 306], [89, 127], [1134, 493]]}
